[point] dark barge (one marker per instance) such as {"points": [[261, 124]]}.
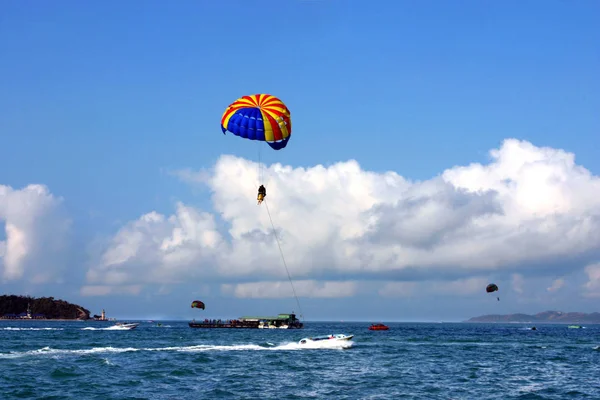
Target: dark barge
{"points": [[282, 321]]}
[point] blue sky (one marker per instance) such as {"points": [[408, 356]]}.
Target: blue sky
{"points": [[104, 103]]}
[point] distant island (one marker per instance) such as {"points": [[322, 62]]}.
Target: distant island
{"points": [[554, 317], [15, 307]]}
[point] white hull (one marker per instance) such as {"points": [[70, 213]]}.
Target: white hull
{"points": [[126, 326], [340, 337]]}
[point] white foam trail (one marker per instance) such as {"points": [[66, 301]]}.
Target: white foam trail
{"points": [[110, 328], [189, 349], [31, 329], [50, 351]]}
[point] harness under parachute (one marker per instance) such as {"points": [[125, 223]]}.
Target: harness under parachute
{"points": [[262, 193]]}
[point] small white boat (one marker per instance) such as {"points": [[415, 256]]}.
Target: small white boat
{"points": [[336, 338], [126, 325]]}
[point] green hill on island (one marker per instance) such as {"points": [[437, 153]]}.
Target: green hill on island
{"points": [[26, 307]]}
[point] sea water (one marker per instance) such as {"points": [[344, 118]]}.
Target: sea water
{"points": [[85, 360]]}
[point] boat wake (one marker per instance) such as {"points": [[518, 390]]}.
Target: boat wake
{"points": [[110, 328], [30, 329], [49, 351]]}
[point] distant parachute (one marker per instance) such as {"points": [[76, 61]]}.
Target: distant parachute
{"points": [[492, 287], [260, 117], [197, 304]]}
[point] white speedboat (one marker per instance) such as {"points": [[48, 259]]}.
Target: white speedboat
{"points": [[338, 337], [126, 325]]}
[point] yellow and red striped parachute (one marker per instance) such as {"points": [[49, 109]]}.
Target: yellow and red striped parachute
{"points": [[259, 117]]}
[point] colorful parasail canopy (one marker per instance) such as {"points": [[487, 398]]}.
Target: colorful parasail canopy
{"points": [[197, 304], [259, 117]]}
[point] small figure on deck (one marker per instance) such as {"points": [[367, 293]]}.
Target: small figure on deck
{"points": [[262, 193]]}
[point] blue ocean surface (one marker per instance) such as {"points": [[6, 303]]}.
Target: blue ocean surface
{"points": [[85, 360]]}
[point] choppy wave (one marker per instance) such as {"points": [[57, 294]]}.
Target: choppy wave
{"points": [[30, 329], [195, 348], [109, 328]]}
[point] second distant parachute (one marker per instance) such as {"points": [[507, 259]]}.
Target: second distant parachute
{"points": [[492, 287], [197, 304]]}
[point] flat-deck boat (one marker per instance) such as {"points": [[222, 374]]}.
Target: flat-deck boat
{"points": [[282, 321]]}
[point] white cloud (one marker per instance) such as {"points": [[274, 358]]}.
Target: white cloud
{"points": [[35, 230], [458, 287], [518, 283], [592, 286], [399, 289], [556, 285], [104, 290], [528, 206], [157, 249], [282, 289]]}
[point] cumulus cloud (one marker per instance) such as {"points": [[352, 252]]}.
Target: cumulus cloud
{"points": [[399, 289], [159, 249], [104, 290], [592, 286], [35, 234], [281, 289], [457, 287], [518, 282], [556, 285], [528, 206]]}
